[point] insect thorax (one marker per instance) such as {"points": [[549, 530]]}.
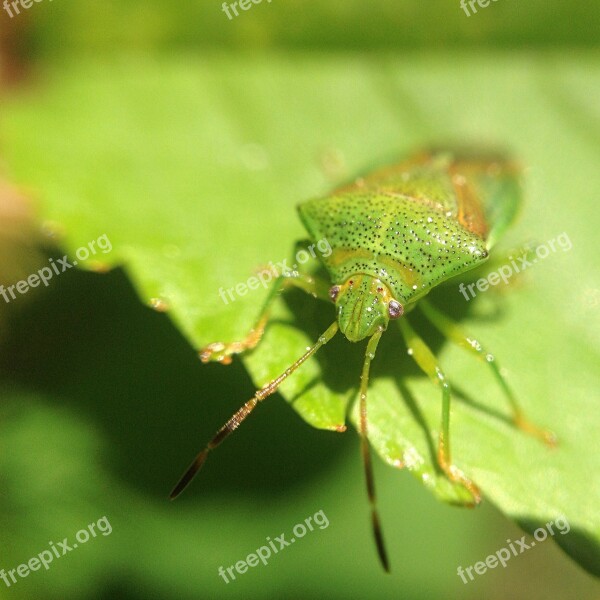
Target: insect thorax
{"points": [[410, 246]]}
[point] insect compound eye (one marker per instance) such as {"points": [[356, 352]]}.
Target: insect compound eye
{"points": [[333, 292], [395, 309]]}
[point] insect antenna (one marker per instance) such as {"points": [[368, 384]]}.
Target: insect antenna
{"points": [[366, 455], [240, 415]]}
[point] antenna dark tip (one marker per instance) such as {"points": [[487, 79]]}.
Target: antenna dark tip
{"points": [[189, 474], [381, 551]]}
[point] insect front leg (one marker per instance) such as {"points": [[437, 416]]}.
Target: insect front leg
{"points": [[427, 362], [456, 335], [223, 352]]}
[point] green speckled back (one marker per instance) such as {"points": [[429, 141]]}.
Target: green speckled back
{"points": [[416, 224]]}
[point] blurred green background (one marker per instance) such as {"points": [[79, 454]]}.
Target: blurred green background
{"points": [[116, 113]]}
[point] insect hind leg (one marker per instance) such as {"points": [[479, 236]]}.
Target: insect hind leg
{"points": [[456, 335], [428, 363]]}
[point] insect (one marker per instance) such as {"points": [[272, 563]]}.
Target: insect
{"points": [[396, 234]]}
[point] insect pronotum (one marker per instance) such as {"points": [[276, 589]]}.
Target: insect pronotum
{"points": [[396, 234]]}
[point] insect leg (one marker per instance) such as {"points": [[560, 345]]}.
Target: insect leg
{"points": [[427, 362], [236, 420], [223, 352], [364, 444], [455, 334]]}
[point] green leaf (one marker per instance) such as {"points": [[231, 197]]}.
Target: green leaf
{"points": [[192, 170]]}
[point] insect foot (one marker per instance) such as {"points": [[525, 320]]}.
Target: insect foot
{"points": [[545, 435], [223, 353], [455, 475], [217, 352]]}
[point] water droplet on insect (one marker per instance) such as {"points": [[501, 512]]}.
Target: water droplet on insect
{"points": [[410, 351], [489, 357], [414, 287], [429, 220]]}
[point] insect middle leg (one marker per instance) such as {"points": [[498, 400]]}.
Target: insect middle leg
{"points": [[427, 362], [223, 352], [456, 335]]}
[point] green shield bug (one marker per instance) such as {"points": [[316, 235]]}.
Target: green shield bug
{"points": [[395, 235]]}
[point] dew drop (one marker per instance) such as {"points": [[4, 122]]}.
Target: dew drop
{"points": [[159, 305]]}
